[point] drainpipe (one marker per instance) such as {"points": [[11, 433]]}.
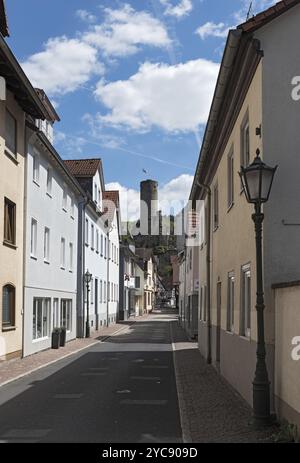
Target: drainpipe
{"points": [[208, 272], [81, 267]]}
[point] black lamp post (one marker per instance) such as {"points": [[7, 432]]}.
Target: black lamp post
{"points": [[87, 279], [257, 181]]}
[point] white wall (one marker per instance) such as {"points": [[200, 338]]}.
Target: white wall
{"points": [[99, 264], [47, 278]]}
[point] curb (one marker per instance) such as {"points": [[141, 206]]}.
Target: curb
{"points": [[183, 409], [27, 373]]}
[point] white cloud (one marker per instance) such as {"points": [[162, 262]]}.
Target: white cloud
{"points": [[125, 30], [175, 98], [85, 16], [63, 65], [211, 29], [173, 194], [183, 8]]}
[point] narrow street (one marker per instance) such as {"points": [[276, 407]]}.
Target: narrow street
{"points": [[120, 390]]}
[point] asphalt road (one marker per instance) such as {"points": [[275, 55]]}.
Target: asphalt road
{"points": [[122, 390]]}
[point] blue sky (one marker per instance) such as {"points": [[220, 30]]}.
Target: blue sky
{"points": [[132, 81]]}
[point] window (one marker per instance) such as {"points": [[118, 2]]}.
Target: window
{"points": [[41, 318], [97, 241], [205, 224], [230, 302], [72, 207], [245, 143], [204, 311], [137, 282], [66, 314], [36, 168], [71, 257], [105, 245], [64, 200], [56, 314], [201, 304], [49, 181], [46, 244], [101, 294], [230, 179], [33, 239], [95, 193], [92, 237], [101, 244], [104, 298], [63, 253], [11, 133], [8, 306], [9, 222], [108, 291], [246, 302], [216, 207], [86, 232], [191, 259], [92, 291]]}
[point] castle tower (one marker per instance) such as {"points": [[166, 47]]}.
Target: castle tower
{"points": [[149, 206]]}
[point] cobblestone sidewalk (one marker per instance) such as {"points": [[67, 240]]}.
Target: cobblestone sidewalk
{"points": [[16, 368], [211, 411]]}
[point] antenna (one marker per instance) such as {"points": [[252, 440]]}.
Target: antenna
{"points": [[249, 11]]}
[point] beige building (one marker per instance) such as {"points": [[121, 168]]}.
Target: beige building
{"points": [[253, 107], [18, 99]]}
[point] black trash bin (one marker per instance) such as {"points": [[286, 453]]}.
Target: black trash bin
{"points": [[55, 340], [63, 332]]}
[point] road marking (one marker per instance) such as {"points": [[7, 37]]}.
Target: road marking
{"points": [[145, 378], [161, 367], [67, 396], [94, 373], [26, 433], [143, 402]]}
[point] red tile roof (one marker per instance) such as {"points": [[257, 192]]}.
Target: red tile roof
{"points": [[112, 195], [83, 167], [263, 18]]}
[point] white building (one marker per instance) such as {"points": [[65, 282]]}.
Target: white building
{"points": [[51, 237], [98, 252]]}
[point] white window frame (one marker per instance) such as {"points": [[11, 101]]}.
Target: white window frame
{"points": [[245, 314], [36, 167], [71, 257], [230, 179], [64, 199], [67, 306], [86, 231], [33, 238], [45, 313], [63, 253], [49, 181], [92, 236], [230, 302], [46, 244], [216, 206]]}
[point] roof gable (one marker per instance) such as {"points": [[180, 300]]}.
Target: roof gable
{"points": [[3, 20]]}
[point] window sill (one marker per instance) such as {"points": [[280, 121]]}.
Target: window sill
{"points": [[245, 338], [46, 262], [72, 217], [87, 245], [70, 271], [97, 252], [10, 245], [216, 228], [11, 156], [230, 332], [92, 249], [36, 183], [62, 268], [34, 341], [33, 257], [64, 209], [8, 328], [49, 195], [230, 207]]}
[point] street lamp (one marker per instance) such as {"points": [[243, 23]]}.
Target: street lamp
{"points": [[257, 181], [87, 278]]}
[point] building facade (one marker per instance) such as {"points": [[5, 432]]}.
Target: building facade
{"points": [[51, 240], [98, 249], [253, 108], [17, 99]]}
